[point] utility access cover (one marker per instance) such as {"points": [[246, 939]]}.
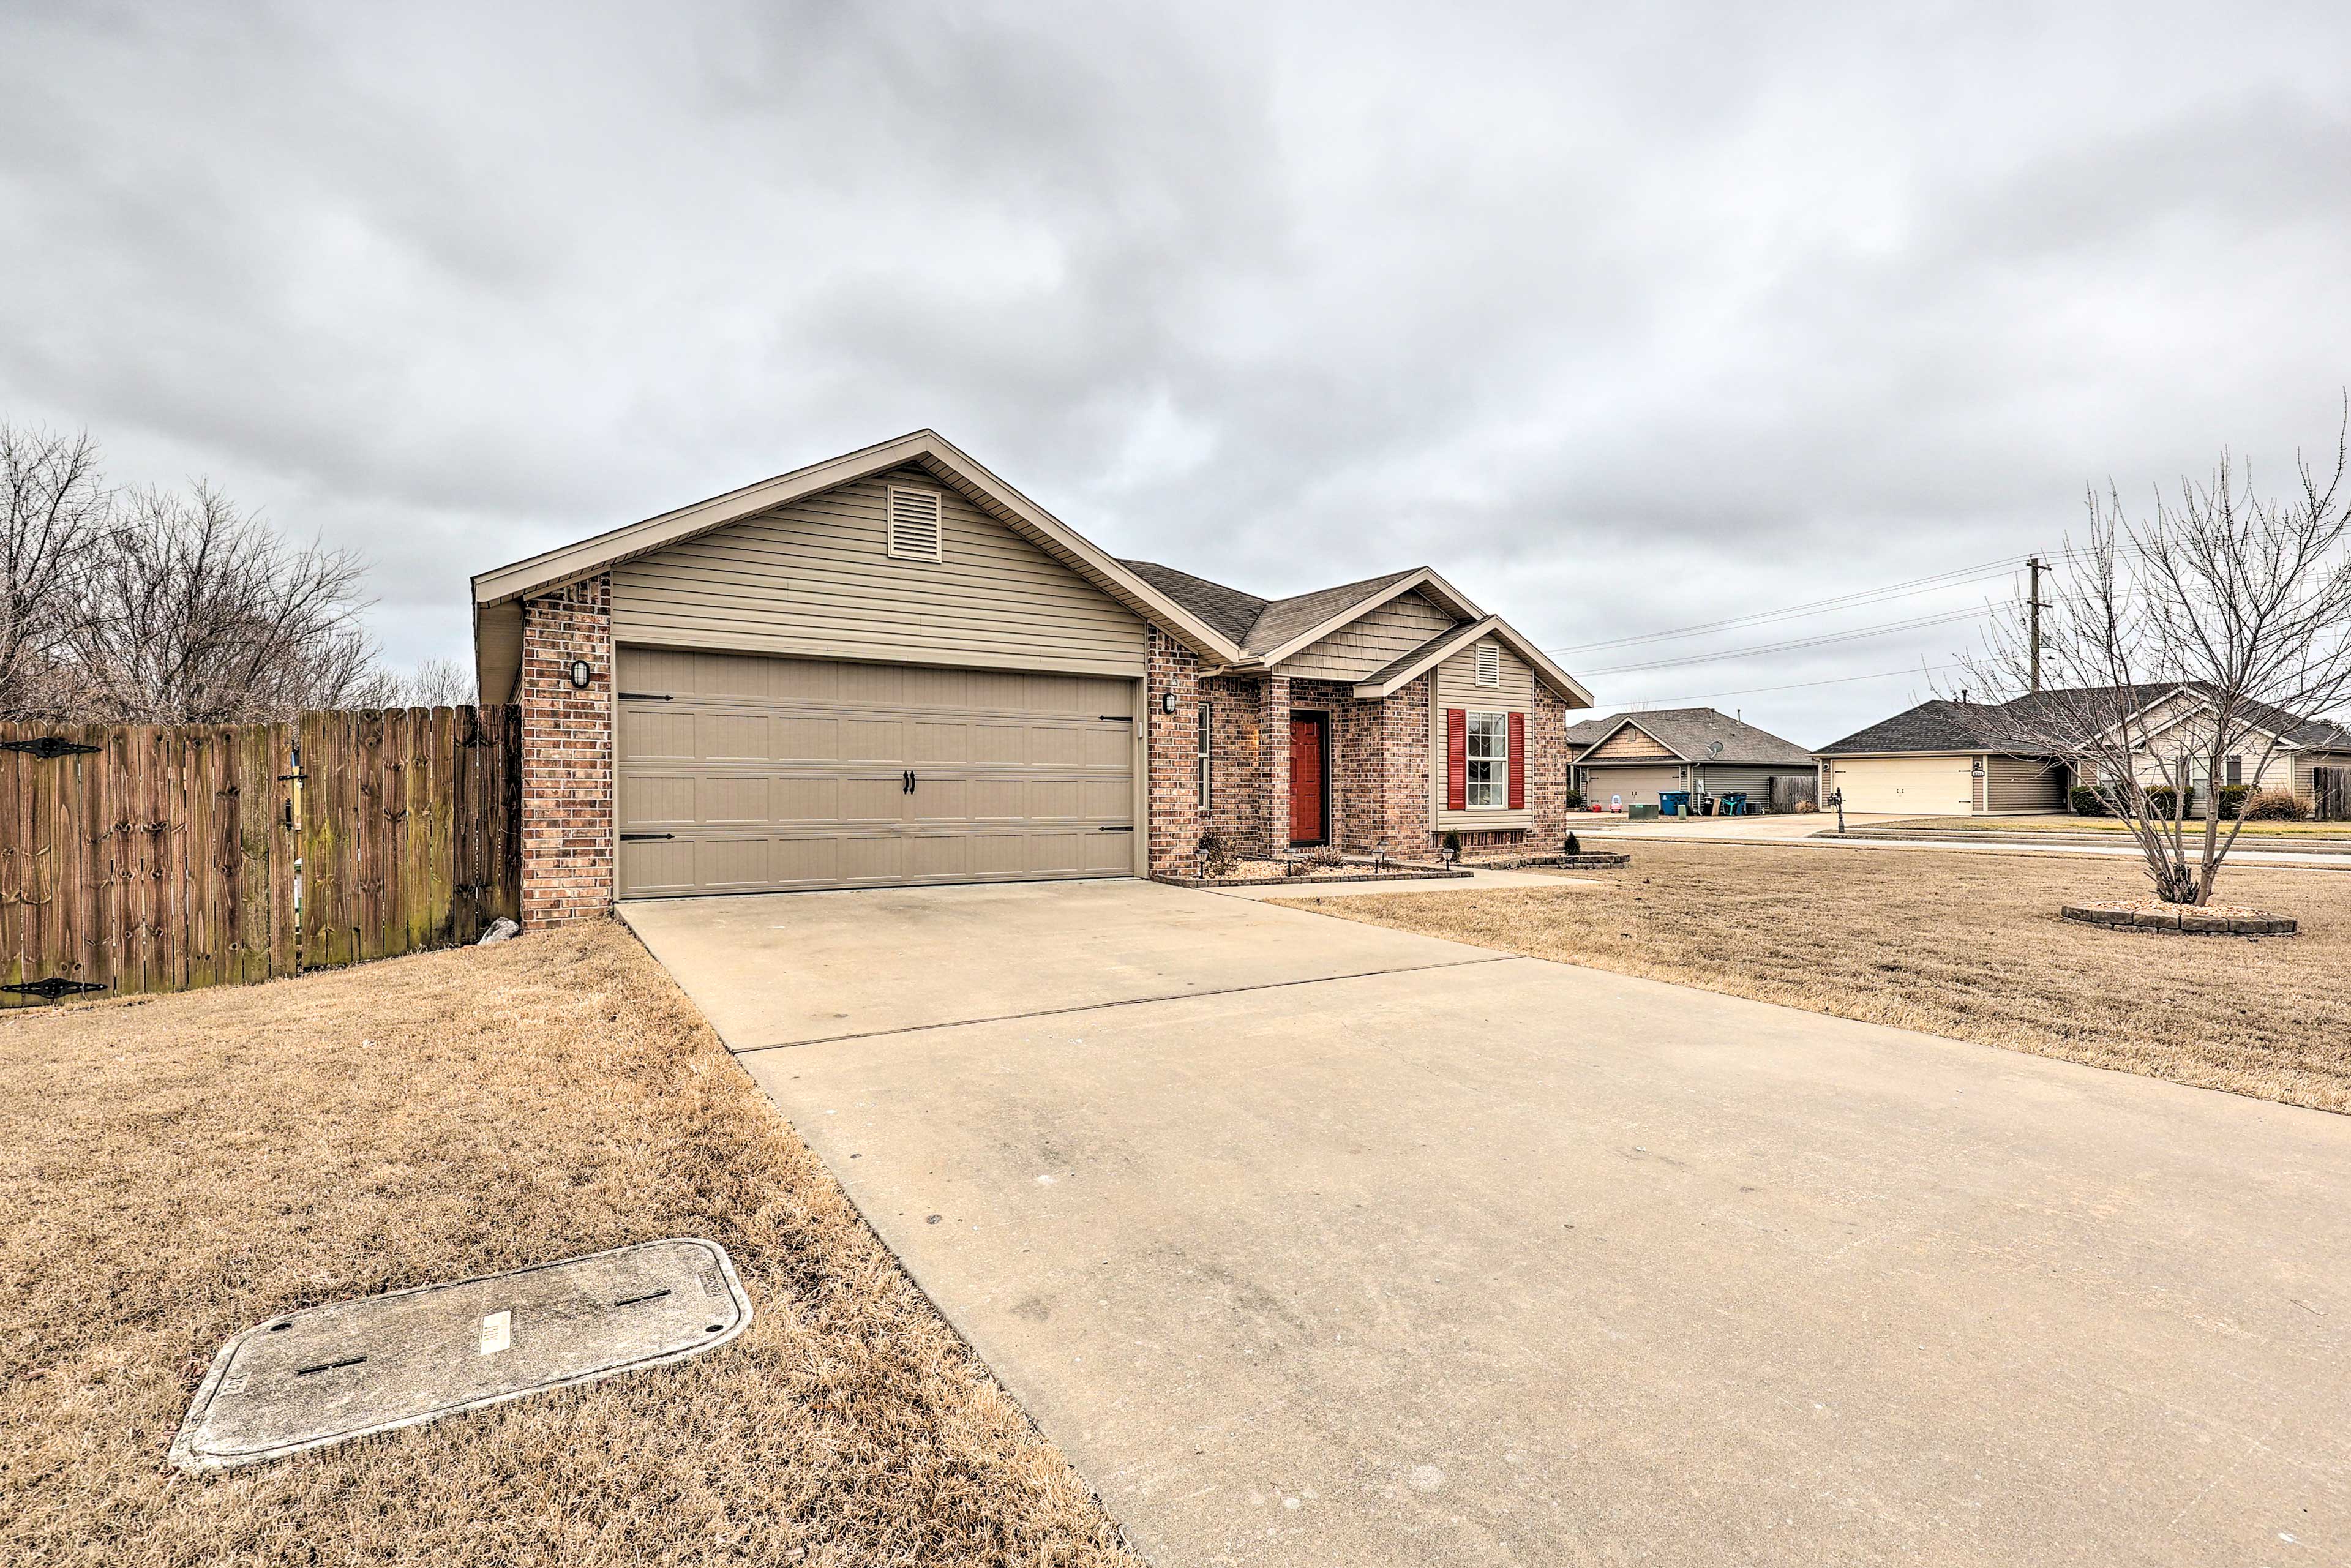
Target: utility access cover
{"points": [[325, 1374]]}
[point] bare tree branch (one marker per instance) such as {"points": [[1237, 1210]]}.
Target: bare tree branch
{"points": [[2216, 626]]}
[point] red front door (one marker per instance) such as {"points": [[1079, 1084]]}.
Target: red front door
{"points": [[1306, 782]]}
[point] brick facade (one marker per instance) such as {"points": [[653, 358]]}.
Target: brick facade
{"points": [[567, 757], [1380, 760], [1172, 745]]}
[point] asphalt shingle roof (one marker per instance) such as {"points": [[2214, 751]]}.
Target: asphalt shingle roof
{"points": [[1258, 624], [2022, 723], [1691, 732]]}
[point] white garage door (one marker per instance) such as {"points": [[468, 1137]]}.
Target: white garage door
{"points": [[1913, 786], [742, 773]]}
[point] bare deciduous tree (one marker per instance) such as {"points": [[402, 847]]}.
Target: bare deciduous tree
{"points": [[2193, 634], [195, 612], [433, 683], [53, 505]]}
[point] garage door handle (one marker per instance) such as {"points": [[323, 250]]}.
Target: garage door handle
{"points": [[626, 838], [647, 697], [1125, 830], [907, 782]]}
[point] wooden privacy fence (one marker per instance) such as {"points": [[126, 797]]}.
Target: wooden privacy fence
{"points": [[152, 858]]}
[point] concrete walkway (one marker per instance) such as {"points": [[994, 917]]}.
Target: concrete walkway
{"points": [[1315, 1243]]}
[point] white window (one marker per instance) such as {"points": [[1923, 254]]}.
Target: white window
{"points": [[1486, 763], [1489, 666], [914, 524], [1208, 719]]}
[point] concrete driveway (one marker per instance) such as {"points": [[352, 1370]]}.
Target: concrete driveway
{"points": [[1310, 1242]]}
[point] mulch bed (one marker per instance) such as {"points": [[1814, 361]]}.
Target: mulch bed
{"points": [[2208, 920], [1586, 860]]}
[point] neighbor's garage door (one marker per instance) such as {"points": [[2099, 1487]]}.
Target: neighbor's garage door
{"points": [[1635, 786], [741, 773], [1914, 786]]}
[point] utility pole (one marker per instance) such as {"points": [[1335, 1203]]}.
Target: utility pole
{"points": [[2035, 566]]}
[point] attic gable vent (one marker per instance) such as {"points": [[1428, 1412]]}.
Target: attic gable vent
{"points": [[1489, 664], [914, 524]]}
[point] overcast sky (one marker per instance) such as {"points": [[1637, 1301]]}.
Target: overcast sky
{"points": [[1624, 319]]}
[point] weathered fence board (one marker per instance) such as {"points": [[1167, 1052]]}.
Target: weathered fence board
{"points": [[173, 858]]}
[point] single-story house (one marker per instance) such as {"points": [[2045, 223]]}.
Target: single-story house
{"points": [[1961, 758], [892, 668], [1631, 759]]}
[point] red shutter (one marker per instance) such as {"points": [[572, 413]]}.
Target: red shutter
{"points": [[1518, 762], [1457, 759]]}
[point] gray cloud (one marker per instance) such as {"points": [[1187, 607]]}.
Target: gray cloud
{"points": [[1624, 322]]}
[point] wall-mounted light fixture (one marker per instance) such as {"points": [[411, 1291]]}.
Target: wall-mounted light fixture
{"points": [[1167, 702], [581, 672]]}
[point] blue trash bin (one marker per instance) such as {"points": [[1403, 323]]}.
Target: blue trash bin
{"points": [[1673, 802]]}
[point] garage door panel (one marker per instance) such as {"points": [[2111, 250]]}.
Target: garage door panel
{"points": [[658, 868], [657, 800], [788, 773], [731, 864], [999, 744], [657, 733], [939, 742], [805, 802], [734, 738], [734, 800], [806, 737]]}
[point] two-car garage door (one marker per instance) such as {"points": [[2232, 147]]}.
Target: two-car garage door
{"points": [[1912, 786], [744, 773]]}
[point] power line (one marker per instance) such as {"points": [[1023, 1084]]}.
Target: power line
{"points": [[1792, 686], [1957, 577], [1853, 634]]}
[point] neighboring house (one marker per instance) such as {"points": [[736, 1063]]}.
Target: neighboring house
{"points": [[1634, 757], [1953, 758], [892, 668]]}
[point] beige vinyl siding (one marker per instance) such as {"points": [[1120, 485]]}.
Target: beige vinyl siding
{"points": [[815, 579], [1729, 778], [1628, 744], [1456, 686], [1364, 647], [498, 641], [2023, 784]]}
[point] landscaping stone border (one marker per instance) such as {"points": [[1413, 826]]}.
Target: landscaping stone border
{"points": [[1589, 860], [2187, 925], [1172, 880]]}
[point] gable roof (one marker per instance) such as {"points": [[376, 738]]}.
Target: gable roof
{"points": [[1224, 624], [1386, 681], [1946, 725], [924, 448], [1690, 733]]}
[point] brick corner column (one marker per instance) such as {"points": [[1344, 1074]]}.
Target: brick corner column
{"points": [[1547, 769], [1406, 758], [1171, 748], [567, 755], [1274, 731]]}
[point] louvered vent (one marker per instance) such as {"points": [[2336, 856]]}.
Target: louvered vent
{"points": [[1489, 664], [914, 524]]}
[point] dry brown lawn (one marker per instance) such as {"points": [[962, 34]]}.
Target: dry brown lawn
{"points": [[1964, 945], [172, 1170]]}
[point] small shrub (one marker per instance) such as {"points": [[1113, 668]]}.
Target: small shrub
{"points": [[1575, 800], [1218, 859], [1451, 844], [2274, 806], [1575, 845], [2163, 804], [2088, 802], [2233, 799]]}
